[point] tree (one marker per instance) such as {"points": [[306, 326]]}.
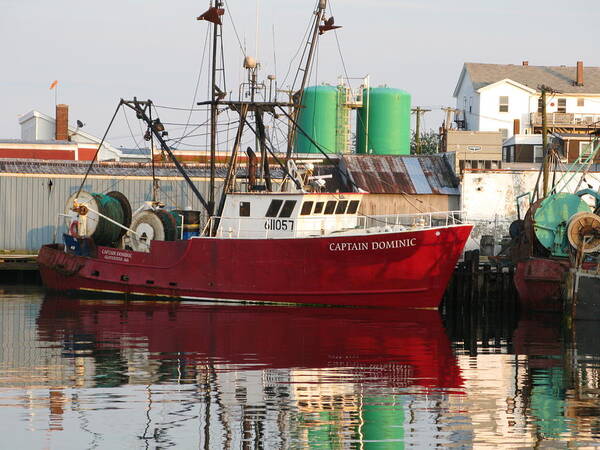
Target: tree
{"points": [[430, 143]]}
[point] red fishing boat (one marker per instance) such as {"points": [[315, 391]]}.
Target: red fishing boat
{"points": [[282, 241], [291, 248]]}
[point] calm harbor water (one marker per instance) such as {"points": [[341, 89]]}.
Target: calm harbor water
{"points": [[109, 374]]}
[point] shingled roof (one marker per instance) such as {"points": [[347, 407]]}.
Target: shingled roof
{"points": [[559, 78]]}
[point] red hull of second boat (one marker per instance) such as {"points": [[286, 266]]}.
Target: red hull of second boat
{"points": [[539, 282]]}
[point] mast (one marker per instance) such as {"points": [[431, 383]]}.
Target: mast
{"points": [[317, 29], [213, 113], [213, 15], [546, 160]]}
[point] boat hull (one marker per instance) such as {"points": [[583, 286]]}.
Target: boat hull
{"points": [[539, 282], [403, 269]]}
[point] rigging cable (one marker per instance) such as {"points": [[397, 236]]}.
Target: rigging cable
{"points": [[98, 150], [130, 130], [340, 49], [197, 81]]}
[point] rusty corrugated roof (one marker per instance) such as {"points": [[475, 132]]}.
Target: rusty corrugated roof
{"points": [[394, 174]]}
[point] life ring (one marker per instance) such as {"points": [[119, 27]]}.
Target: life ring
{"points": [[74, 229]]}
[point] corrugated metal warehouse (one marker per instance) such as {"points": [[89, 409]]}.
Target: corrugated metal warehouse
{"points": [[33, 193], [403, 184]]}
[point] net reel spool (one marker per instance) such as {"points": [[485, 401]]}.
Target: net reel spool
{"points": [[584, 232], [84, 216], [151, 225]]}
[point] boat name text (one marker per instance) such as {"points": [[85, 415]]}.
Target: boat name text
{"points": [[382, 245], [115, 255]]}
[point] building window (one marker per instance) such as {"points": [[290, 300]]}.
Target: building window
{"points": [[580, 102], [504, 132], [562, 105], [244, 209], [503, 103], [274, 208], [540, 105], [507, 154], [288, 208], [538, 153], [585, 149]]}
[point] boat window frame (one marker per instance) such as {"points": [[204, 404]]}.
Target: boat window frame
{"points": [[274, 208], [307, 208], [341, 207], [329, 211], [287, 209], [319, 207], [245, 209], [353, 207]]}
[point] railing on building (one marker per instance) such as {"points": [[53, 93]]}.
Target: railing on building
{"points": [[567, 119]]}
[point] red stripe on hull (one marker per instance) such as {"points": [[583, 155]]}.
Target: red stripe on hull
{"points": [[408, 269]]}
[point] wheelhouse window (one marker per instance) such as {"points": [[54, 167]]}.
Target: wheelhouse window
{"points": [[274, 208], [341, 207], [562, 105], [353, 207], [288, 208], [244, 209], [503, 103], [306, 208], [330, 207], [319, 207]]}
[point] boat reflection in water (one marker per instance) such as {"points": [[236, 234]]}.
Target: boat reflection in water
{"points": [[276, 375], [559, 379]]}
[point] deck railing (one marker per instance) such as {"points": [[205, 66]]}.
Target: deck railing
{"points": [[567, 119], [262, 228]]}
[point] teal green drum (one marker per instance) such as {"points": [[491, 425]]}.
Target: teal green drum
{"points": [[551, 220]]}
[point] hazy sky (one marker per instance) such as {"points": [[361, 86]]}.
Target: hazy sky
{"points": [[103, 50]]}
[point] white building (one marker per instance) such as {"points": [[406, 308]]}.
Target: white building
{"points": [[40, 132], [507, 98]]}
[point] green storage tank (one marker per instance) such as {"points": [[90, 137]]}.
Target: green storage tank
{"points": [[318, 118], [385, 119]]}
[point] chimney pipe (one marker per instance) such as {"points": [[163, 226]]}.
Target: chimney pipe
{"points": [[579, 81], [525, 63], [62, 123]]}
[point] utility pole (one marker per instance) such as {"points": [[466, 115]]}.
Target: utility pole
{"points": [[546, 161], [418, 111], [448, 112]]}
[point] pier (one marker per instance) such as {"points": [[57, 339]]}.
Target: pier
{"points": [[19, 269]]}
